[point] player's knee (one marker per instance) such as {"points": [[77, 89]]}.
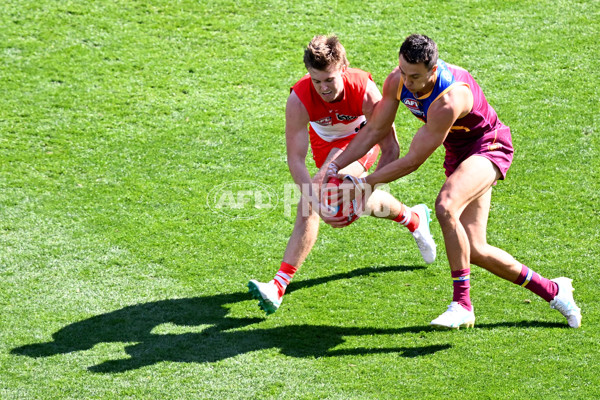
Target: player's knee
{"points": [[304, 220], [444, 211], [377, 207], [305, 213]]}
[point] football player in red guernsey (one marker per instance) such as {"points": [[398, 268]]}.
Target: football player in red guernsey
{"points": [[325, 109]]}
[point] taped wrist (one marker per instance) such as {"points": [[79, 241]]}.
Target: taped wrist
{"points": [[359, 183], [332, 169]]}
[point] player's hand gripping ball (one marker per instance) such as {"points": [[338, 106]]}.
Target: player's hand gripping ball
{"points": [[337, 210]]}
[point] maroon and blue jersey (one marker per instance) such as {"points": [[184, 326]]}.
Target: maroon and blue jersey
{"points": [[480, 132], [482, 118]]}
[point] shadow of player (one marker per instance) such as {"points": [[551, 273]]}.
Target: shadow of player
{"points": [[221, 336]]}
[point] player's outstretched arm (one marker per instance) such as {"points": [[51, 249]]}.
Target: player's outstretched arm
{"points": [[297, 142], [377, 127], [441, 116], [296, 139], [422, 146], [390, 149]]}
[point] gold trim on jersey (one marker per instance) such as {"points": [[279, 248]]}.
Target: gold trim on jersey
{"points": [[399, 91], [495, 146], [457, 128], [452, 86], [426, 95]]}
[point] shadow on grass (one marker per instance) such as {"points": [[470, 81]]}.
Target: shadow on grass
{"points": [[523, 324], [214, 336]]}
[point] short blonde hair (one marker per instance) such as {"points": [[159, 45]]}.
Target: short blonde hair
{"points": [[324, 52]]}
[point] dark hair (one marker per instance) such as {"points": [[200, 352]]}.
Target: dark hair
{"points": [[418, 49], [324, 52]]}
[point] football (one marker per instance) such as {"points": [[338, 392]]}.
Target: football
{"points": [[337, 210]]}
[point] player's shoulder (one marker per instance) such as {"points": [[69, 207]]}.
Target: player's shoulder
{"points": [[301, 91], [371, 98], [357, 78], [295, 110], [294, 97], [302, 81], [294, 102], [458, 92], [392, 82], [455, 101], [395, 76]]}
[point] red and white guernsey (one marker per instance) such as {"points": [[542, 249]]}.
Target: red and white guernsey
{"points": [[340, 119]]}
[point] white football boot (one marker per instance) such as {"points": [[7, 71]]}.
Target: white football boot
{"points": [[266, 294], [455, 317], [422, 234], [565, 303]]}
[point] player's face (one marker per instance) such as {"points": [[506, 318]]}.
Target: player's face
{"points": [[417, 78], [329, 84]]}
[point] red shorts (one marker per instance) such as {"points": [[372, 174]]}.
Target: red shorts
{"points": [[321, 149], [495, 145]]}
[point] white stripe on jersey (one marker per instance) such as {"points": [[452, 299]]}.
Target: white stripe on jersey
{"points": [[329, 133]]}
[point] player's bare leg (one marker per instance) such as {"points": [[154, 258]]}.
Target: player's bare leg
{"points": [[306, 229], [417, 219], [557, 292], [471, 180], [474, 219], [466, 242], [301, 242], [381, 204]]}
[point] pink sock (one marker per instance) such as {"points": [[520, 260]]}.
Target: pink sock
{"points": [[284, 276], [461, 280], [539, 285]]}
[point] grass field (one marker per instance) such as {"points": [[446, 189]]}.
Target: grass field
{"points": [[120, 280]]}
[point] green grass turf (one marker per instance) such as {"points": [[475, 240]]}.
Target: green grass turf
{"points": [[118, 280]]}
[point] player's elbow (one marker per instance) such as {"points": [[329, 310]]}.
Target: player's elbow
{"points": [[295, 164], [389, 152], [413, 164], [387, 158], [379, 132], [294, 160]]}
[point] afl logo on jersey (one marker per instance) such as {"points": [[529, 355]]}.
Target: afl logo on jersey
{"points": [[413, 106]]}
